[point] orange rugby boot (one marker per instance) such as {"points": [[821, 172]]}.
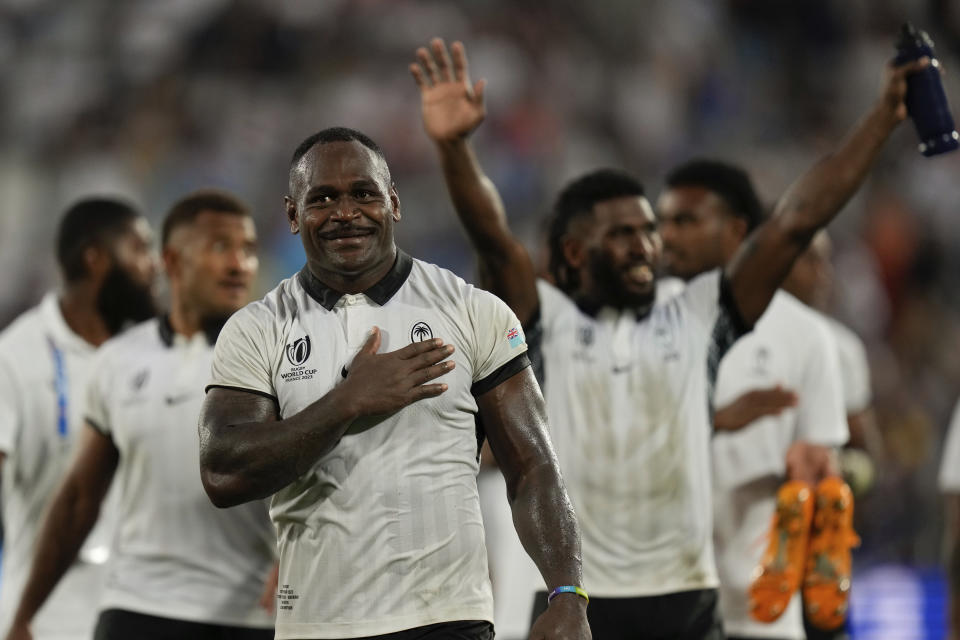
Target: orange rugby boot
{"points": [[826, 581], [781, 570]]}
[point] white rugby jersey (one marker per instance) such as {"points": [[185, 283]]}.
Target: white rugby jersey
{"points": [[793, 346], [174, 555], [628, 411], [950, 465], [43, 375], [384, 532], [854, 368]]}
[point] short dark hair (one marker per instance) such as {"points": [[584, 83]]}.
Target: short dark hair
{"points": [[728, 181], [577, 199], [89, 222], [185, 211], [335, 134]]}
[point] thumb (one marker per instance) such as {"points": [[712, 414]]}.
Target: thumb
{"points": [[372, 345], [478, 90]]}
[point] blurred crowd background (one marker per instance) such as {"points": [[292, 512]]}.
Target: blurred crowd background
{"points": [[151, 99]]}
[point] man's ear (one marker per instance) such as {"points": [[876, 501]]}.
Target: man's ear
{"points": [[395, 200], [97, 261], [573, 251], [171, 259], [292, 218]]}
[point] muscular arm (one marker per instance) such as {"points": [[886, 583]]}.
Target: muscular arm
{"points": [[514, 416], [812, 201], [452, 109], [71, 516], [247, 452]]}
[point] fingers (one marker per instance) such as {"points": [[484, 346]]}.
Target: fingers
{"points": [[432, 372], [431, 357], [426, 61], [414, 349], [427, 391], [913, 66], [418, 76], [460, 67], [478, 90], [443, 59], [372, 345]]}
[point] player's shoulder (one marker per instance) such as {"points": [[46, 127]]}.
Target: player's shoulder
{"points": [[846, 337], [140, 337], [279, 304], [796, 322], [22, 334]]}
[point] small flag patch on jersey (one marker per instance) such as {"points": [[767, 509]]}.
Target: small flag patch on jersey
{"points": [[515, 337]]}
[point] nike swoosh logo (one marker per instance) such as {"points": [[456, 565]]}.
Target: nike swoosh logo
{"points": [[622, 369], [344, 372], [172, 400]]}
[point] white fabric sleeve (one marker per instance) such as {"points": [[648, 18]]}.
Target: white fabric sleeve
{"points": [[498, 336], [854, 370], [950, 464], [10, 411], [821, 416], [702, 297], [240, 356], [96, 410]]}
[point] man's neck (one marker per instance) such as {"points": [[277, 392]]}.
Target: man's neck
{"points": [[78, 305], [353, 283], [184, 320]]}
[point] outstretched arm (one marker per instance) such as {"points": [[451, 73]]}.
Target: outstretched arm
{"points": [[764, 260], [514, 416], [452, 108], [247, 453], [73, 512]]}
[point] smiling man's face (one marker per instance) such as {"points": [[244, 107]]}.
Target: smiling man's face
{"points": [[344, 207]]}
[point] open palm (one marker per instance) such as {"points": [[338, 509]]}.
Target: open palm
{"points": [[451, 106]]}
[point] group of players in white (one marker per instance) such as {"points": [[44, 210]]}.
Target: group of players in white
{"points": [[341, 417]]}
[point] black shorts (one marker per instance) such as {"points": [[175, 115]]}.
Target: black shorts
{"points": [[687, 615], [460, 630], [117, 624]]}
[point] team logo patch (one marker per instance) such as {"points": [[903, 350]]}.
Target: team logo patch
{"points": [[298, 351], [420, 332], [515, 337]]}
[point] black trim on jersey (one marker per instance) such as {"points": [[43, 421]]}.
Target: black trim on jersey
{"points": [[211, 327], [96, 427], [380, 293], [533, 331], [729, 327], [264, 394], [501, 375]]}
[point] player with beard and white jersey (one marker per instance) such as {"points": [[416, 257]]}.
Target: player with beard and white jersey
{"points": [[107, 267], [179, 567], [628, 382]]}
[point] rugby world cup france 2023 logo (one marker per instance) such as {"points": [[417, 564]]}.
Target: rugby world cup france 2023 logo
{"points": [[298, 351]]}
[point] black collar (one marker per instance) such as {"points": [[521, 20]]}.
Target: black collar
{"points": [[380, 293], [212, 330]]}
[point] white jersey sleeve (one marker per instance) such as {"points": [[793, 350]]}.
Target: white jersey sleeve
{"points": [[9, 410], [950, 465], [821, 417], [498, 341], [240, 356]]}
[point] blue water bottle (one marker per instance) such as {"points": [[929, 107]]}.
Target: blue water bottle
{"points": [[926, 100]]}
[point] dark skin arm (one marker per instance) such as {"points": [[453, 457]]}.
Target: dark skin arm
{"points": [[753, 405], [514, 416], [763, 261], [452, 108], [245, 456], [71, 516]]}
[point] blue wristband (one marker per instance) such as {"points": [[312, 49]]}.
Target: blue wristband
{"points": [[568, 589]]}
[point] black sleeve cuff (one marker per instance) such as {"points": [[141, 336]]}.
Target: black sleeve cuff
{"points": [[501, 375], [243, 389], [728, 305]]}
